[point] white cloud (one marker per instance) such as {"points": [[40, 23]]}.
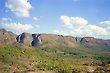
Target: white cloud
{"points": [[105, 24], [19, 7], [66, 20], [73, 21], [60, 32], [7, 23], [91, 30], [18, 26], [35, 18], [81, 28]]}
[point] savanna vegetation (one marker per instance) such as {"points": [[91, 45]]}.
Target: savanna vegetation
{"points": [[18, 58]]}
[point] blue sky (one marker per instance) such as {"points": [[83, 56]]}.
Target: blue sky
{"points": [[67, 17]]}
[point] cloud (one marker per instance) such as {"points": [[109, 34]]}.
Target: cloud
{"points": [[73, 21], [81, 28], [35, 18], [91, 30], [105, 24], [66, 20], [19, 7], [18, 26], [60, 32], [7, 23]]}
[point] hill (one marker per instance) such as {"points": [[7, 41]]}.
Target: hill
{"points": [[41, 53]]}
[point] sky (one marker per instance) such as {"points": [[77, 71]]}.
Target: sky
{"points": [[78, 18]]}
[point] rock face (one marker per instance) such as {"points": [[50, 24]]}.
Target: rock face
{"points": [[25, 39], [7, 37], [28, 39], [36, 39]]}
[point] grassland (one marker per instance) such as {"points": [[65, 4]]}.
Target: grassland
{"points": [[18, 58]]}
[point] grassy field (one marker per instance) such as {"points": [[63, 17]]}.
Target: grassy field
{"points": [[18, 58]]}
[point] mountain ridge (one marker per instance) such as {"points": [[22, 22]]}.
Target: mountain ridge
{"points": [[29, 39]]}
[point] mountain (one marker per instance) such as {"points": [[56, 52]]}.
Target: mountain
{"points": [[51, 40], [52, 53]]}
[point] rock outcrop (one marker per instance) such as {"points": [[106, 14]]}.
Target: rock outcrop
{"points": [[28, 39], [25, 39], [36, 40]]}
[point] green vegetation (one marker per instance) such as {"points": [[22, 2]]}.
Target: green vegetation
{"points": [[17, 58]]}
